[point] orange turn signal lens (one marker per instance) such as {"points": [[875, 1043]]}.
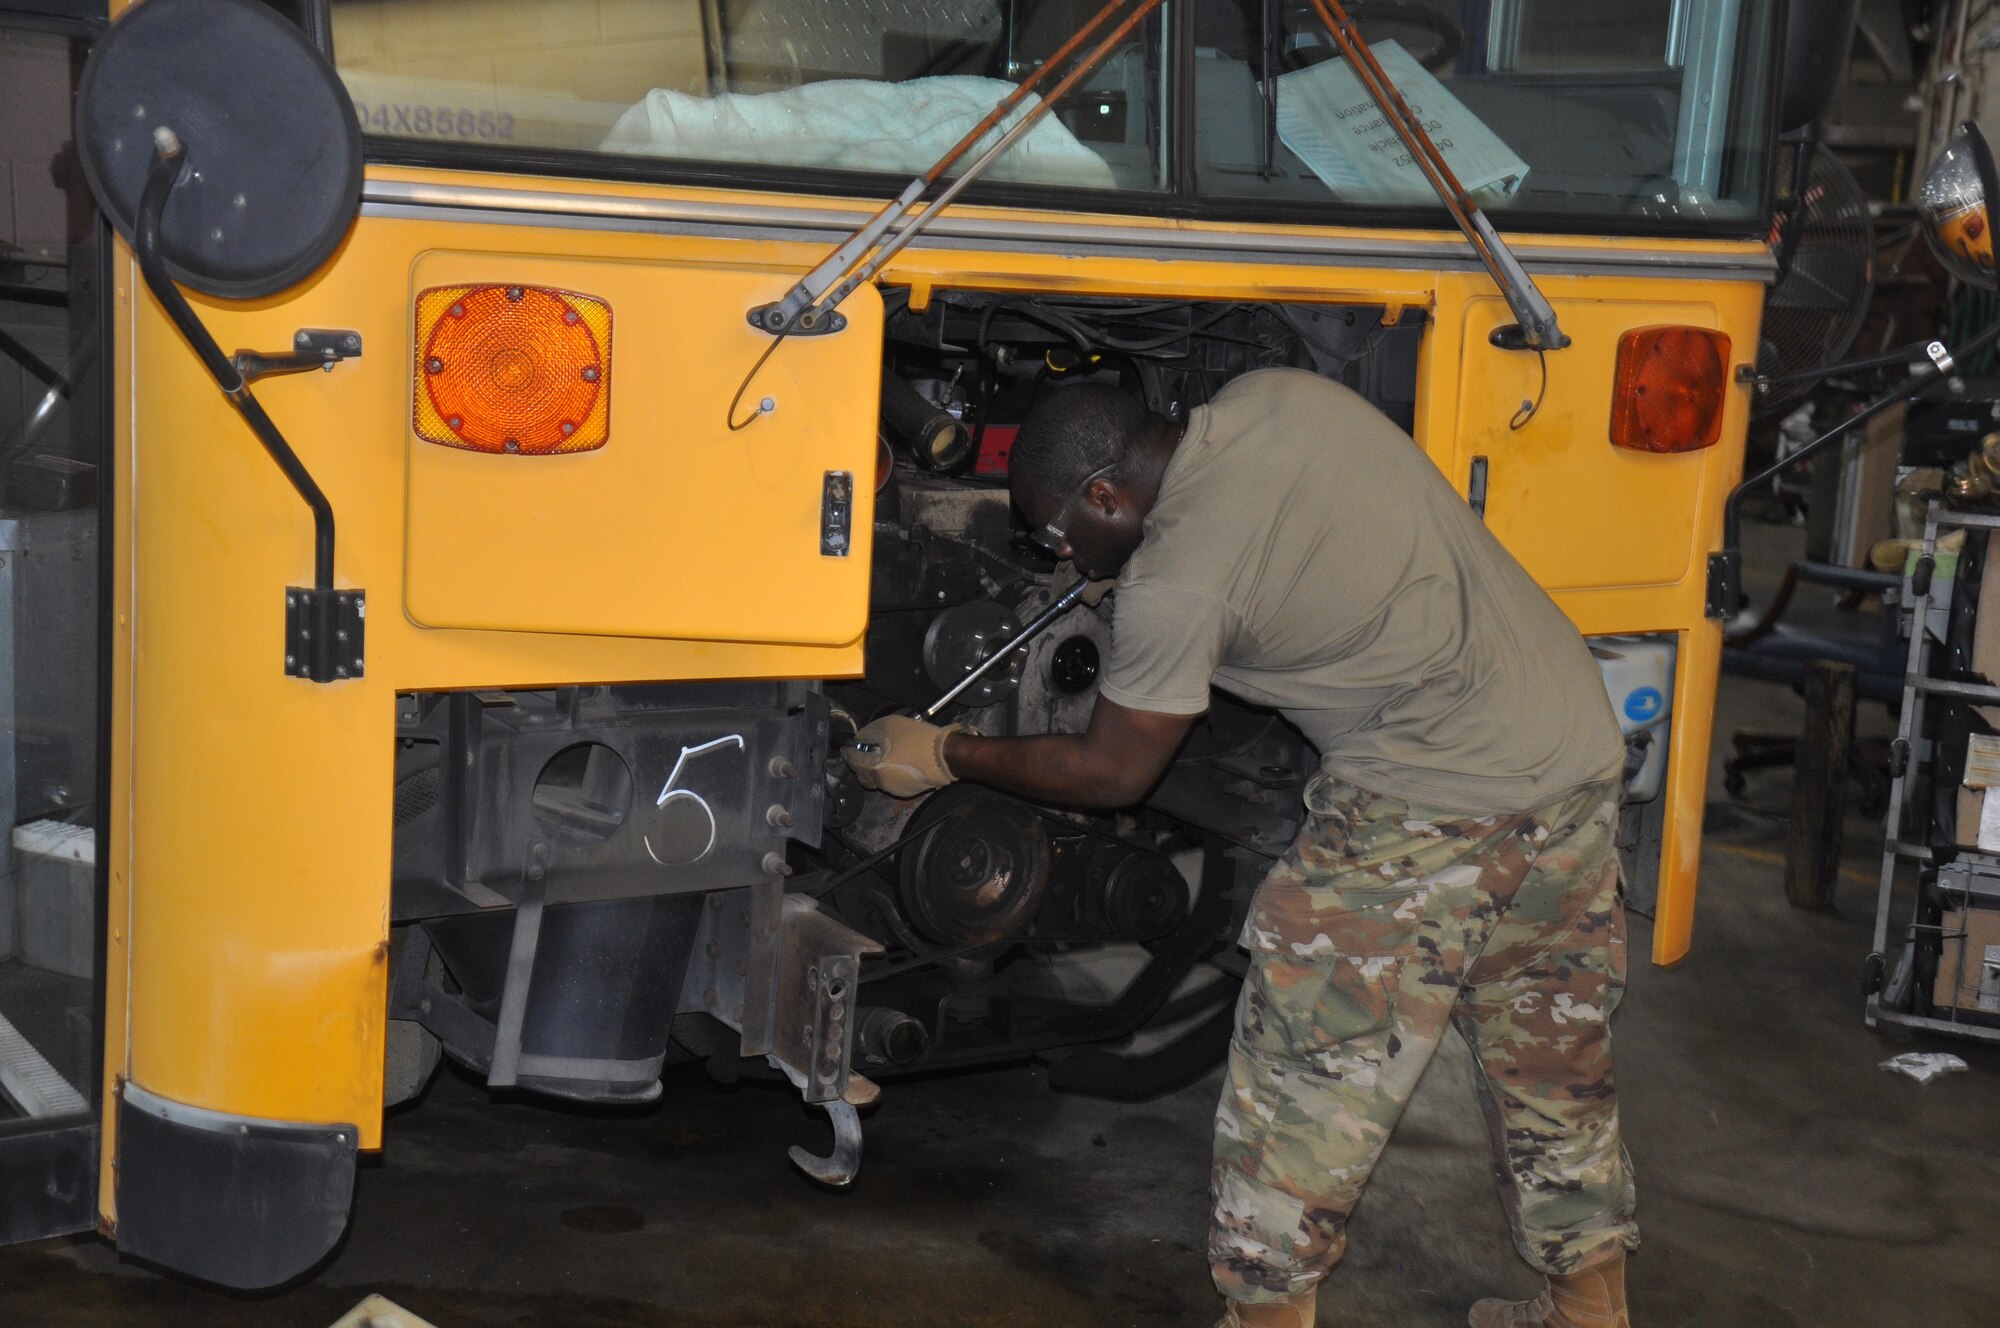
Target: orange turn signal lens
{"points": [[1668, 391], [513, 369]]}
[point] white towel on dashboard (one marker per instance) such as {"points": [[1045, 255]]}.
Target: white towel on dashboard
{"points": [[856, 125]]}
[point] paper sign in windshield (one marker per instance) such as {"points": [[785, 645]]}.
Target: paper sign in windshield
{"points": [[1335, 127]]}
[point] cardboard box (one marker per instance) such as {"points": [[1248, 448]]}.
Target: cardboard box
{"points": [[1866, 514], [1986, 629], [1976, 986]]}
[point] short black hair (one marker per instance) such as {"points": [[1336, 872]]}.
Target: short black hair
{"points": [[1074, 432]]}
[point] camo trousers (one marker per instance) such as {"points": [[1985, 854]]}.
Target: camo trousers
{"points": [[1384, 923]]}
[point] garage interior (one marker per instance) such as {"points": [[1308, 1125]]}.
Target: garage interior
{"points": [[1786, 1179]]}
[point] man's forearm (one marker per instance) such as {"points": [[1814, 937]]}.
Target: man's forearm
{"points": [[1061, 768]]}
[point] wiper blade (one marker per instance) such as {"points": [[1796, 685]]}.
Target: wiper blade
{"points": [[1537, 319]]}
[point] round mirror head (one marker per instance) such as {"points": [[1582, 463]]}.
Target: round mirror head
{"points": [[272, 172], [1955, 203]]}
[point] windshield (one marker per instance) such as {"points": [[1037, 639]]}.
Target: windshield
{"points": [[1643, 110]]}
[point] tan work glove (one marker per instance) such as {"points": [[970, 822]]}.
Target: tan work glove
{"points": [[902, 756]]}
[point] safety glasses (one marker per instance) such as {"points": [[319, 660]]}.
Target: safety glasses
{"points": [[1054, 534]]}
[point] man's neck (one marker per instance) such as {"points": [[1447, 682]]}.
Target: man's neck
{"points": [[1155, 454]]}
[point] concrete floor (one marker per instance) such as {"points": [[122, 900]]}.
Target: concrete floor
{"points": [[1784, 1178]]}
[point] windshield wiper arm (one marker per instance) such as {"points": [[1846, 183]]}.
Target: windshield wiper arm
{"points": [[1537, 319], [807, 308]]}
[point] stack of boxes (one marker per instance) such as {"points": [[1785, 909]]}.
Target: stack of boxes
{"points": [[1968, 973]]}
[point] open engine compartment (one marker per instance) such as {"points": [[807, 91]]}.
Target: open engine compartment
{"points": [[966, 927]]}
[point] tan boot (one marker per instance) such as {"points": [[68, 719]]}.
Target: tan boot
{"points": [[1592, 1298], [1297, 1312]]}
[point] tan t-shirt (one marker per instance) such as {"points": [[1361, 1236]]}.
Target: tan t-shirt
{"points": [[1305, 554]]}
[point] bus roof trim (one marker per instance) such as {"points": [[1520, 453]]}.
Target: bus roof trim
{"points": [[504, 206]]}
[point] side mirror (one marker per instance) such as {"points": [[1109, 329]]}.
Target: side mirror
{"points": [[1955, 205], [224, 149], [272, 173], [1818, 36]]}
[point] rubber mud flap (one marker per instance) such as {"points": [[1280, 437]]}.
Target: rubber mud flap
{"points": [[235, 1200]]}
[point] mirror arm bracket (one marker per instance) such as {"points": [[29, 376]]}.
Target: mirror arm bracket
{"points": [[323, 641], [312, 348]]}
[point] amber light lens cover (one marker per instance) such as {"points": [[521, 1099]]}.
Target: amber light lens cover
{"points": [[1669, 388], [522, 370]]}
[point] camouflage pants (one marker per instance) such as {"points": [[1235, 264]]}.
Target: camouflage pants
{"points": [[1384, 923]]}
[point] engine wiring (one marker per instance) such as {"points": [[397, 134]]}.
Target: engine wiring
{"points": [[1089, 327], [1010, 347]]}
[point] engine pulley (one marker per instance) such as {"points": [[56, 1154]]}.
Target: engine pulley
{"points": [[1073, 666], [1144, 897], [979, 873], [959, 640]]}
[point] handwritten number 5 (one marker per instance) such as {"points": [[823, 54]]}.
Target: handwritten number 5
{"points": [[668, 793]]}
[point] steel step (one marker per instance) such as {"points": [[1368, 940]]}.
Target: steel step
{"points": [[30, 1082]]}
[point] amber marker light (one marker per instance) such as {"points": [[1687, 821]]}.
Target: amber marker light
{"points": [[521, 370], [1668, 391]]}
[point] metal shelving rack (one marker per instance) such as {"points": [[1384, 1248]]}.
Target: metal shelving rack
{"points": [[1970, 876]]}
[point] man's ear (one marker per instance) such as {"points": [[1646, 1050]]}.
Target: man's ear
{"points": [[1104, 495]]}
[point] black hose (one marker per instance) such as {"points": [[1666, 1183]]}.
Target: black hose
{"points": [[938, 441]]}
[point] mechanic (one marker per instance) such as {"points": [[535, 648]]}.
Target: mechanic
{"points": [[1456, 864]]}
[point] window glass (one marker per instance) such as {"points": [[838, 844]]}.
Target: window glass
{"points": [[1545, 35], [1640, 109], [1644, 109], [50, 439], [863, 85]]}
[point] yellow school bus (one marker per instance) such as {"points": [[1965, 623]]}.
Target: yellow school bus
{"points": [[465, 678]]}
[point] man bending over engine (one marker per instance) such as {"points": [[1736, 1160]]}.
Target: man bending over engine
{"points": [[1456, 864]]}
